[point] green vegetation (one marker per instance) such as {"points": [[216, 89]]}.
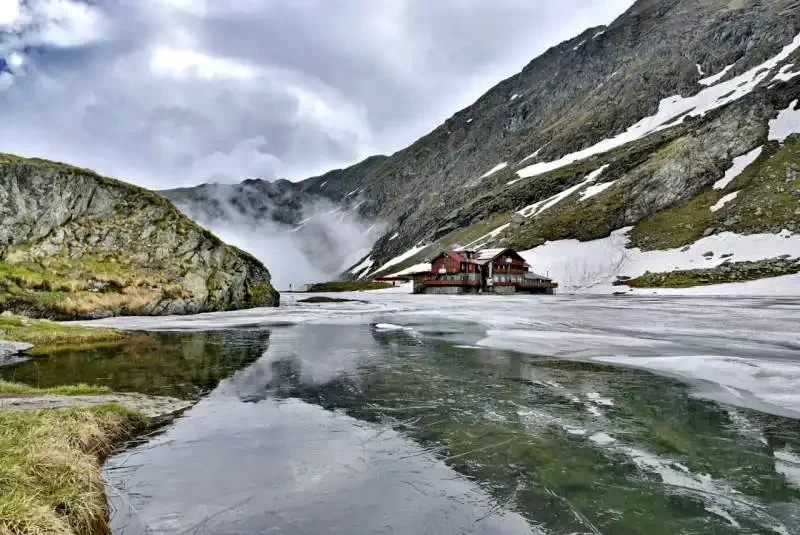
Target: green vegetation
{"points": [[728, 272], [257, 293], [49, 336], [13, 389], [769, 201], [347, 286], [50, 468]]}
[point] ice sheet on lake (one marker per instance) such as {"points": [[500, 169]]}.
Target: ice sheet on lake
{"points": [[772, 382]]}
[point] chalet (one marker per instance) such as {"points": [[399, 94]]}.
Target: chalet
{"points": [[500, 271]]}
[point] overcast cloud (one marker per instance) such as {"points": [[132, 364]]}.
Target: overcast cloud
{"points": [[169, 93]]}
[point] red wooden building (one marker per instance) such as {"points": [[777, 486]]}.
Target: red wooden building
{"points": [[487, 270]]}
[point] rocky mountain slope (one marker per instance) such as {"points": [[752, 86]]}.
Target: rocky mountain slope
{"points": [[74, 245], [674, 123]]}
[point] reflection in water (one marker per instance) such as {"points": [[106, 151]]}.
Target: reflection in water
{"points": [[352, 429], [177, 364]]}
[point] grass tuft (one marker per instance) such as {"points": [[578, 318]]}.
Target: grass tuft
{"points": [[50, 468], [50, 333], [7, 387]]}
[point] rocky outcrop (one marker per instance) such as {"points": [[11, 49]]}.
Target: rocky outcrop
{"points": [[74, 245], [724, 273], [9, 352]]}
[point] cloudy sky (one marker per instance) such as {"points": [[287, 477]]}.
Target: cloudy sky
{"points": [[168, 93]]}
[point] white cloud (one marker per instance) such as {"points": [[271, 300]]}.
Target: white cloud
{"points": [[9, 12], [6, 81], [166, 61], [177, 92]]}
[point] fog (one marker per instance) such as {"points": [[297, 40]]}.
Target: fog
{"points": [[325, 242]]}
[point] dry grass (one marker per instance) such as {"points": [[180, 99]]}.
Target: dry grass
{"points": [[8, 388], [50, 468], [87, 302], [50, 333]]}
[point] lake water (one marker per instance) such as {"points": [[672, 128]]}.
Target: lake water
{"points": [[462, 415]]}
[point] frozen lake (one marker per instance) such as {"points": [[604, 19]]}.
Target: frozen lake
{"points": [[431, 414]]}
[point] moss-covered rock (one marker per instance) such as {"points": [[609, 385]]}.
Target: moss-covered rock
{"points": [[75, 245]]}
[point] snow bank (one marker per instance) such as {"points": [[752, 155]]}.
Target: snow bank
{"points": [[539, 207], [486, 238], [591, 191], [786, 124], [673, 110], [740, 163], [496, 168], [714, 78], [363, 266], [418, 268], [784, 75], [724, 200], [592, 266], [401, 258]]}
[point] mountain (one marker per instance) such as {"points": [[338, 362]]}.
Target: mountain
{"points": [[671, 126], [74, 244]]}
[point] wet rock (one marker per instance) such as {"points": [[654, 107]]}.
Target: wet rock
{"points": [[154, 407], [9, 352]]}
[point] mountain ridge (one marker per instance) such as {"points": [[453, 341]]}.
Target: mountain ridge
{"points": [[589, 89]]}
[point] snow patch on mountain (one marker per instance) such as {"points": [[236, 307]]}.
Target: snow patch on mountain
{"points": [[673, 110], [400, 258], [786, 124], [714, 78], [740, 163], [725, 200], [496, 168], [539, 207], [592, 266]]}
